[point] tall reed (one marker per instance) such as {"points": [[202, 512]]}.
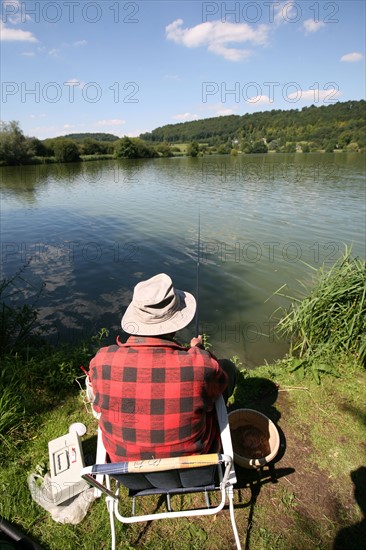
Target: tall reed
{"points": [[331, 319]]}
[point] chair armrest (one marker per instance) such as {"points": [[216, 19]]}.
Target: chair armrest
{"points": [[225, 434], [158, 464], [95, 474]]}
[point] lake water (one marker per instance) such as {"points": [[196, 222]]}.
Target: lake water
{"points": [[91, 231]]}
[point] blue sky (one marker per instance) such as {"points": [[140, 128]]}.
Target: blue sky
{"points": [[127, 67]]}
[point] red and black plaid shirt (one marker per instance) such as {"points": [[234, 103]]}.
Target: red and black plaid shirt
{"points": [[156, 398]]}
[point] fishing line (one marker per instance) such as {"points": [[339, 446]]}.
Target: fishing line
{"points": [[198, 273]]}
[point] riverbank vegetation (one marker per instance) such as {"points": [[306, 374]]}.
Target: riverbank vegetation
{"points": [[329, 320], [338, 127], [313, 495]]}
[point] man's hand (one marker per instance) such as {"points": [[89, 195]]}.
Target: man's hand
{"points": [[196, 341]]}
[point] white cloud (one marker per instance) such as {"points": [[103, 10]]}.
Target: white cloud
{"points": [[311, 26], [28, 54], [80, 43], [15, 35], [54, 52], [260, 99], [285, 12], [316, 95], [74, 83], [217, 37], [225, 112], [185, 116], [231, 54], [135, 133], [110, 122], [219, 109], [352, 57]]}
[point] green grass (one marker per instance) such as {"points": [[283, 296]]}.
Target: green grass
{"points": [[326, 413]]}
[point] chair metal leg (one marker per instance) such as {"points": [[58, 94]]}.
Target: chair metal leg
{"points": [[230, 494], [207, 499], [110, 505], [168, 502]]}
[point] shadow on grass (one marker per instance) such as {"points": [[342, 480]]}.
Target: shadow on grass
{"points": [[254, 480], [359, 415], [259, 394], [256, 393], [354, 536]]}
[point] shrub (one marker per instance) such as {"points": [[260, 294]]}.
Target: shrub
{"points": [[66, 150], [133, 148]]}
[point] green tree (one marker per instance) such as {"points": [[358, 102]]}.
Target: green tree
{"points": [[66, 150], [273, 145], [125, 148], [290, 148], [246, 147], [40, 148], [193, 149], [259, 147], [15, 148], [330, 146], [90, 146], [164, 149], [344, 139], [133, 148]]}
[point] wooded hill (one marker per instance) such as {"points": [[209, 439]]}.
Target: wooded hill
{"points": [[336, 126], [99, 136]]}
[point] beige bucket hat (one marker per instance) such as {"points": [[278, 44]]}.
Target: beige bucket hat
{"points": [[158, 308]]}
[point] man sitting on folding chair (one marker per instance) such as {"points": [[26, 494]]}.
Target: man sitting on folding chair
{"points": [[155, 398]]}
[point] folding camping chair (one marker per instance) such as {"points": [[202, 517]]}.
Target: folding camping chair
{"points": [[168, 476]]}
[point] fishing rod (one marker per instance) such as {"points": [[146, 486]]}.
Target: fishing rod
{"points": [[198, 273]]}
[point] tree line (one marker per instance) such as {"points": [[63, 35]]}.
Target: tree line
{"points": [[18, 149], [337, 126], [327, 128]]}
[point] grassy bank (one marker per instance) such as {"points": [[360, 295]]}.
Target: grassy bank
{"points": [[307, 506], [312, 497]]}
